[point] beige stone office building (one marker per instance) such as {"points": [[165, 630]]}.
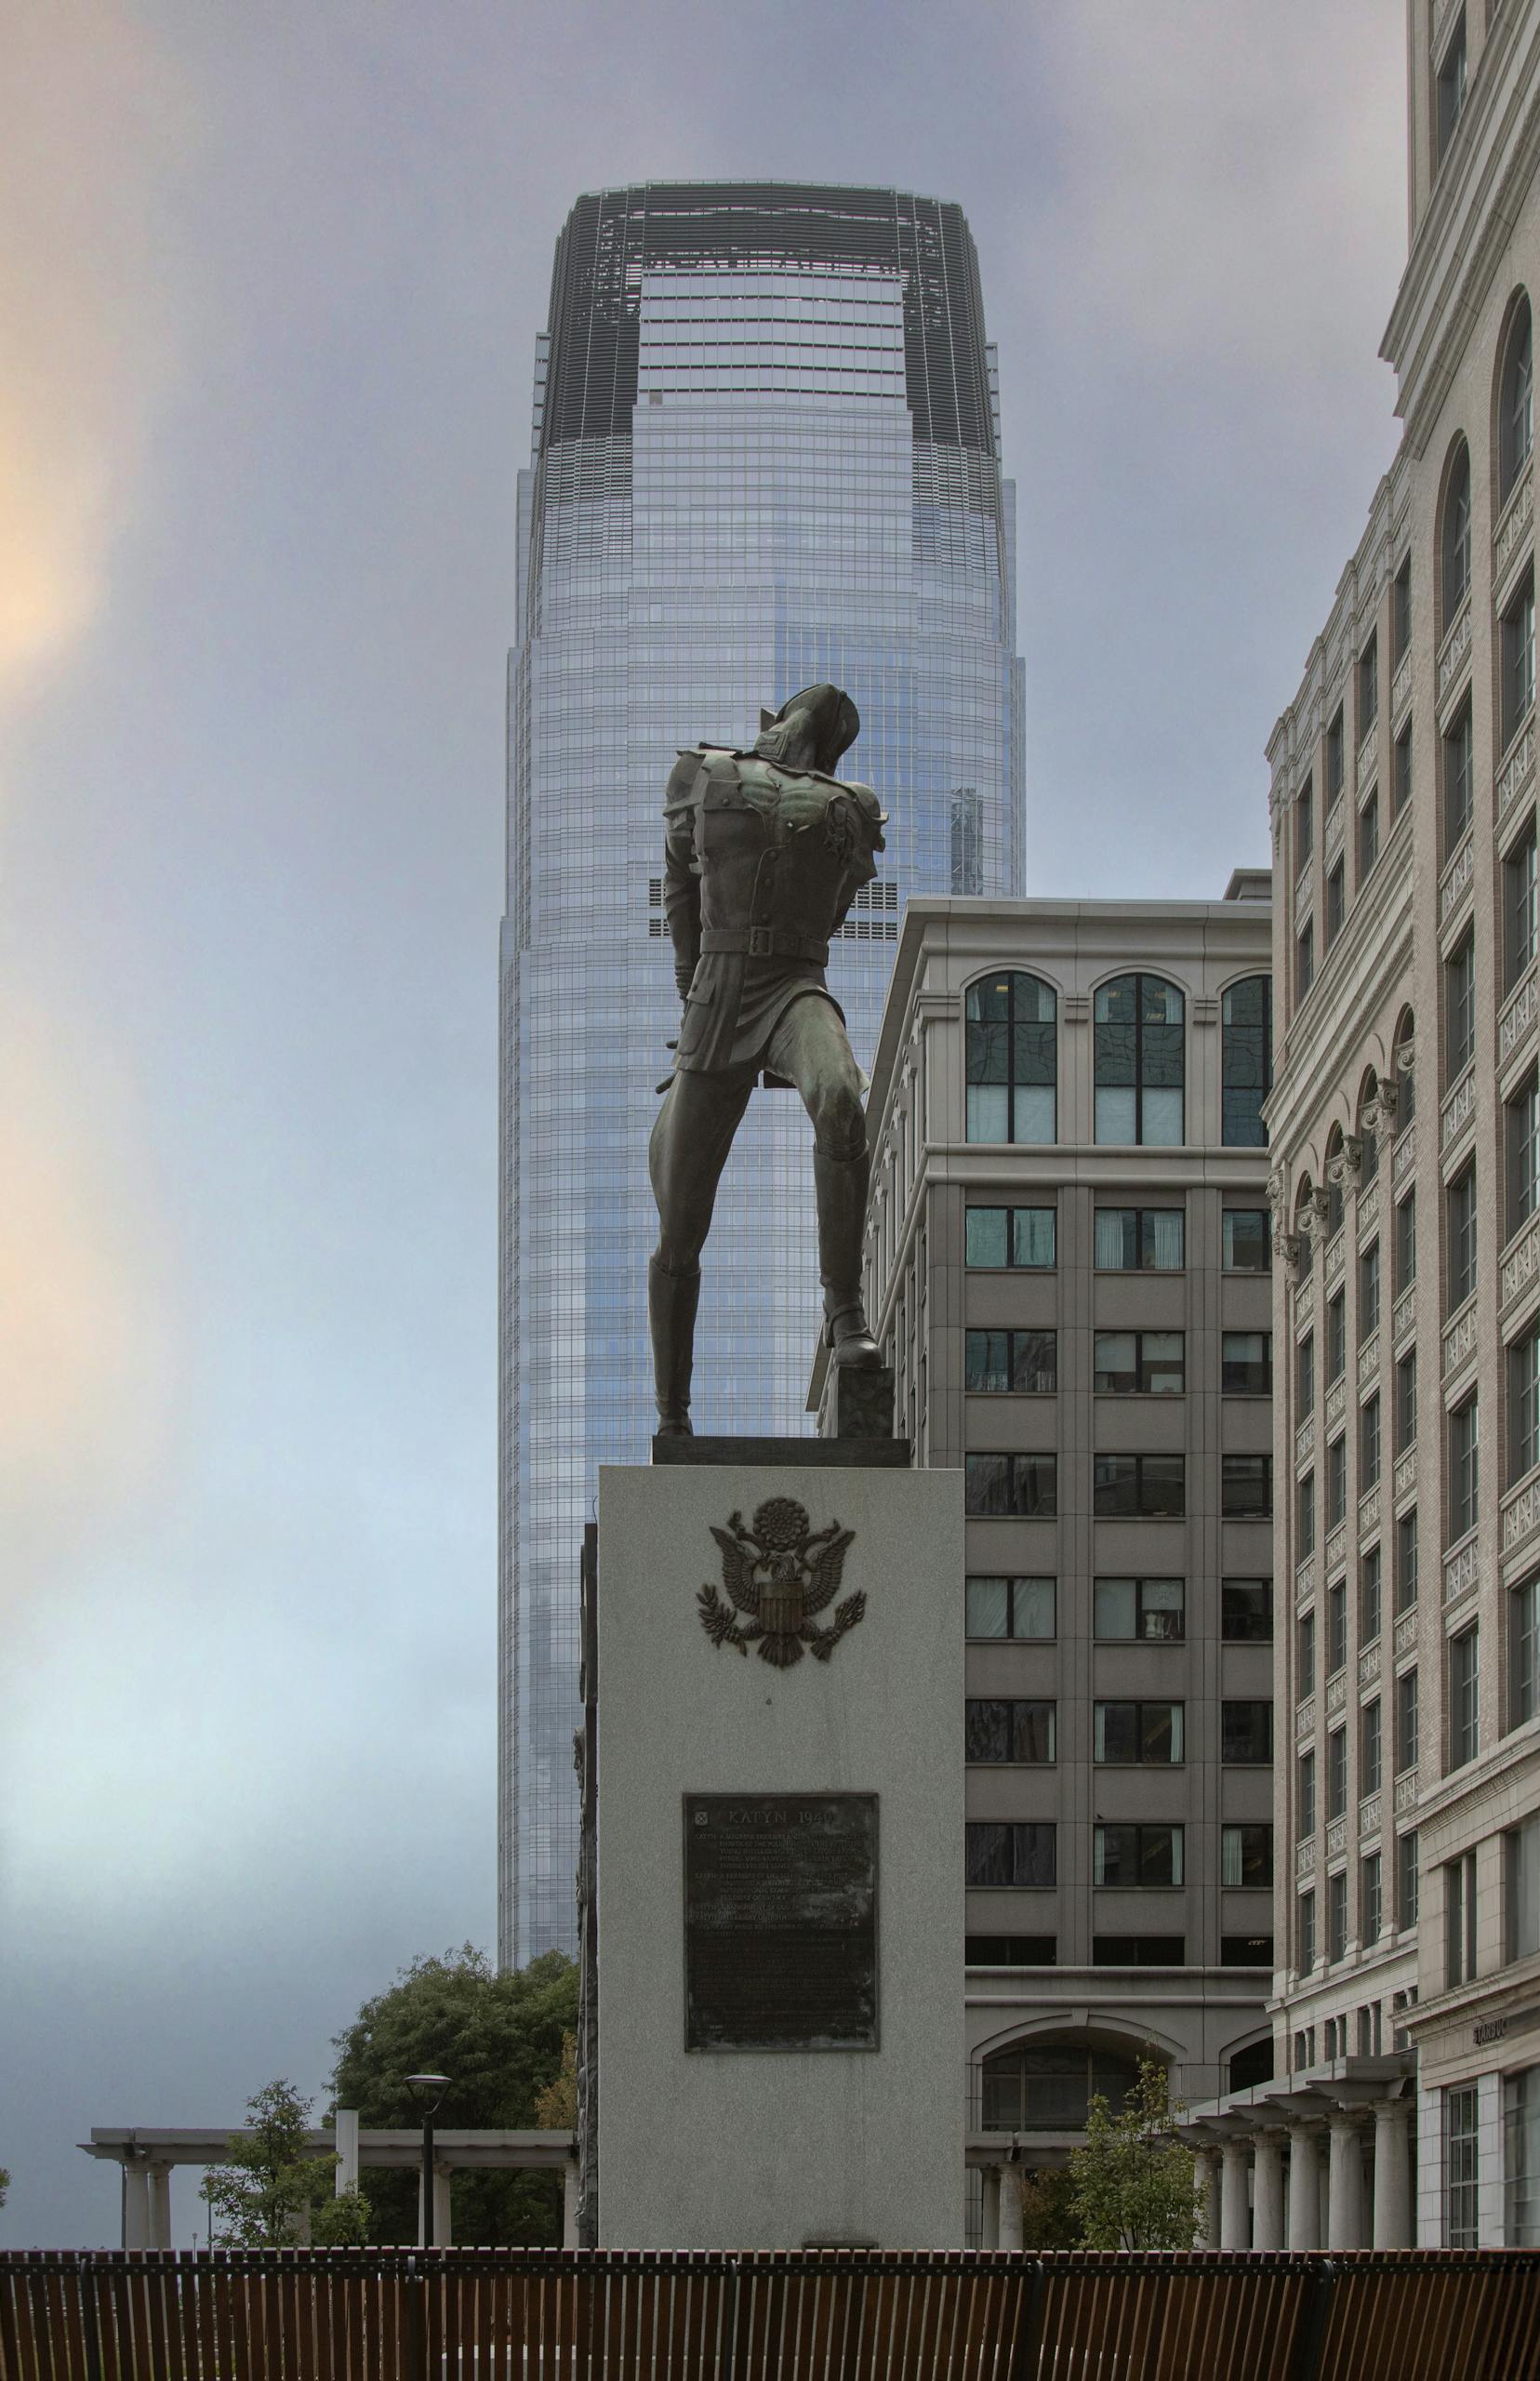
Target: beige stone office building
{"points": [[1405, 1134], [1068, 1262]]}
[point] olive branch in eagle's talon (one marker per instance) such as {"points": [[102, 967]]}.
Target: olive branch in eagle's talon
{"points": [[720, 1621]]}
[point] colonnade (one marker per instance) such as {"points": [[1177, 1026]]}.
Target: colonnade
{"points": [[1318, 2200]]}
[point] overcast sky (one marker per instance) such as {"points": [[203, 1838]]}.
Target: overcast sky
{"points": [[269, 291]]}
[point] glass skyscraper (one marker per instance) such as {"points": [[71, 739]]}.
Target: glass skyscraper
{"points": [[765, 453]]}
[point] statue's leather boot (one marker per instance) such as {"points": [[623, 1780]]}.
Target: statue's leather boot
{"points": [[672, 1302], [841, 1184]]}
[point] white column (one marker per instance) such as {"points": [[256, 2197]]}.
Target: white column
{"points": [[347, 2150], [1392, 2176], [1304, 2189], [1208, 2199], [569, 2204], [1345, 2225], [444, 2235], [1268, 2193], [158, 2191], [989, 2229], [1234, 2214], [136, 2205], [1010, 2208]]}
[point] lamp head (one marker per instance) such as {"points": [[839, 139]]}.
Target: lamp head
{"points": [[427, 2090]]}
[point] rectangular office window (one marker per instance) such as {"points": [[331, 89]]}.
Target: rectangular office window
{"points": [[1245, 1951], [1519, 909], [1022, 1485], [1152, 1612], [1246, 1857], [1337, 1773], [1462, 2168], [1307, 1932], [1524, 1652], [1406, 1881], [1459, 750], [1462, 1238], [1523, 1383], [1406, 1721], [1460, 1009], [1247, 1241], [1369, 1444], [1001, 1729], [1026, 1362], [1306, 1781], [1133, 1856], [1144, 1364], [1400, 771], [1303, 828], [1305, 1378], [1406, 1560], [1401, 613], [1304, 1653], [1337, 1337], [1368, 834], [1464, 1469], [1150, 1487], [1459, 1880], [1018, 1238], [1449, 98], [1405, 1251], [1517, 660], [1139, 1240], [1304, 961], [1522, 1138], [1371, 1898], [1521, 1890], [1336, 1483], [1464, 1698], [1245, 1612], [1138, 1950], [1011, 1950], [1368, 688], [1406, 1401], [1138, 1732], [1336, 1916], [1000, 1606], [1305, 1516], [1245, 1487], [1012, 1853], [1334, 760], [1336, 1628], [1246, 1734], [1369, 1291], [1369, 1597], [1521, 2158], [1369, 1748], [1246, 1363], [1336, 901]]}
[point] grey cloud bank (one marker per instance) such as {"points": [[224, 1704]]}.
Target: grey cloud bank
{"points": [[250, 819]]}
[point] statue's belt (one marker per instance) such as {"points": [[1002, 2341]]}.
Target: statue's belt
{"points": [[764, 942]]}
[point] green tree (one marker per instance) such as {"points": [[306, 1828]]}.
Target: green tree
{"points": [[1135, 2184], [556, 2102], [498, 2038], [1048, 2216], [273, 2191]]}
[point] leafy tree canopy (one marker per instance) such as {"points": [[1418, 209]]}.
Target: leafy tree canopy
{"points": [[1133, 2183], [498, 2037], [273, 2191]]}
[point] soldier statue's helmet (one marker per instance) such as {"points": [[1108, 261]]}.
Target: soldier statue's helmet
{"points": [[836, 723]]}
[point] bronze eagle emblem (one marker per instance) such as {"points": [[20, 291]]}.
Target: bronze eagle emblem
{"points": [[778, 1576]]}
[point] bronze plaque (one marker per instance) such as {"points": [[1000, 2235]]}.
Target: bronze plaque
{"points": [[780, 1922]]}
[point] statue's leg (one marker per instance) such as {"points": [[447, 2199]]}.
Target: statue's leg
{"points": [[811, 1048], [690, 1140]]}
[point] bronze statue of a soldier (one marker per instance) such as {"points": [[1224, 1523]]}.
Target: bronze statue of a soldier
{"points": [[763, 853]]}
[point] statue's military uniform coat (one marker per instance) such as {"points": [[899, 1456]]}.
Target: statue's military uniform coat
{"points": [[760, 865]]}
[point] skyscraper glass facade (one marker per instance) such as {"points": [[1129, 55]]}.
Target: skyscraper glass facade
{"points": [[765, 453]]}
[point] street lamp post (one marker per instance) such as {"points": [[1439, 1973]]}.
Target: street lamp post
{"points": [[428, 2092]]}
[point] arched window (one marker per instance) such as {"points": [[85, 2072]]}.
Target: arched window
{"points": [[1516, 401], [1012, 1059], [1139, 1061], [1335, 1200], [1406, 1079], [1253, 2064], [1368, 1140], [1042, 2087], [1246, 1029], [1455, 547]]}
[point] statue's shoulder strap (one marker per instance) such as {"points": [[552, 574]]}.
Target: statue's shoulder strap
{"points": [[682, 777]]}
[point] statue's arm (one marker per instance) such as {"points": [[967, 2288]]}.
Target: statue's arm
{"points": [[871, 819], [680, 884]]}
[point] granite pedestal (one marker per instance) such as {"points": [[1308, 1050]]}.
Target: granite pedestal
{"points": [[778, 1898]]}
